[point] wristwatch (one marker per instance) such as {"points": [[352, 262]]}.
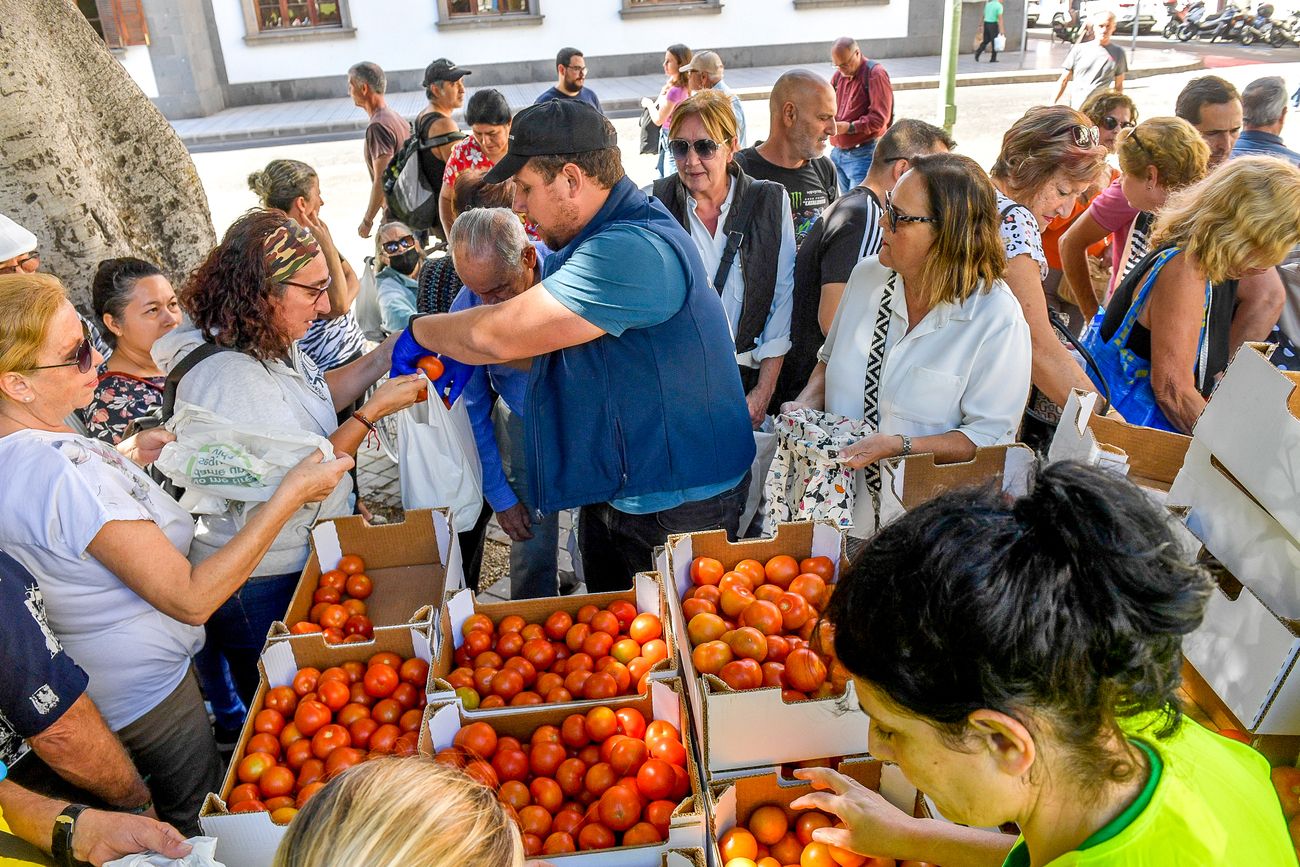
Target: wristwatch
{"points": [[65, 825], [907, 445], [853, 128]]}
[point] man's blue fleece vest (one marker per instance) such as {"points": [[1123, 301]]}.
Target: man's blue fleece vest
{"points": [[657, 409]]}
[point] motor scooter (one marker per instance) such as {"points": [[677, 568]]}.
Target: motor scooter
{"points": [[1178, 14], [1211, 28]]}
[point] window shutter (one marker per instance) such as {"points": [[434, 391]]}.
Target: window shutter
{"points": [[123, 22]]}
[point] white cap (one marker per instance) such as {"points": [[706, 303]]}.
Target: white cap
{"points": [[14, 239]]}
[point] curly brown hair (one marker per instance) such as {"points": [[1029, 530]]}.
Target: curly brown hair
{"points": [[228, 297]]}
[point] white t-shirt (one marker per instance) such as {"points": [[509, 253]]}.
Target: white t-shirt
{"points": [[274, 397], [60, 490], [964, 367]]}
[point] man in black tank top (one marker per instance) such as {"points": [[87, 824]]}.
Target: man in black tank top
{"points": [[446, 91]]}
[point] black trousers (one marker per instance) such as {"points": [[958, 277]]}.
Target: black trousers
{"points": [[990, 33]]}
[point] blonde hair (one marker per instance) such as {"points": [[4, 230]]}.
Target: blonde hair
{"points": [[1172, 145], [967, 254], [281, 182], [714, 111], [402, 811], [29, 302], [1234, 219], [1041, 144]]}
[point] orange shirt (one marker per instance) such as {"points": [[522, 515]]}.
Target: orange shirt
{"points": [[1055, 229]]}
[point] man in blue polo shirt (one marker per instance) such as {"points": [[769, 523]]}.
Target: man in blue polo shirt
{"points": [[1263, 109], [634, 405]]}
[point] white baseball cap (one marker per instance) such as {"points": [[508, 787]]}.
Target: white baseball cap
{"points": [[14, 239]]}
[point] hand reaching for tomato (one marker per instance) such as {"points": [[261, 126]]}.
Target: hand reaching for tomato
{"points": [[873, 825]]}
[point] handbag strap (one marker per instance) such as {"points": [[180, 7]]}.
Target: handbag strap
{"points": [[871, 387], [1139, 301], [744, 214]]}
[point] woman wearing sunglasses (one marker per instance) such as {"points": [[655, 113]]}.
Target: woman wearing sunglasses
{"points": [[1039, 685], [1170, 327], [711, 197], [109, 547], [17, 248], [400, 269], [928, 344]]}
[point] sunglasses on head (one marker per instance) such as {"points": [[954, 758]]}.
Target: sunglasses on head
{"points": [[405, 242], [705, 148], [84, 354], [896, 216], [1084, 136], [1114, 123]]}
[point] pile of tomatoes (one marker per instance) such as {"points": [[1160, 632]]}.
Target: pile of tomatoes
{"points": [[338, 605], [772, 837], [1286, 780], [598, 655], [599, 780], [759, 625], [325, 723]]}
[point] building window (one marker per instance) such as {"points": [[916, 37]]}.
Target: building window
{"points": [[119, 22], [274, 16], [648, 8], [476, 8], [454, 14]]}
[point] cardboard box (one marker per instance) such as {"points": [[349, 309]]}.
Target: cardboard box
{"points": [[1150, 458], [250, 839], [647, 594], [755, 727], [412, 564], [1247, 657], [906, 483], [665, 701], [731, 802]]}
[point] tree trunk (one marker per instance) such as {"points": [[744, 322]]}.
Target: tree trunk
{"points": [[86, 161]]}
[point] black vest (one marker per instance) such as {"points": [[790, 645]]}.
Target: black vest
{"points": [[758, 251]]}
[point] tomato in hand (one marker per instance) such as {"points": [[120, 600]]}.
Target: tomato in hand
{"points": [[431, 365]]}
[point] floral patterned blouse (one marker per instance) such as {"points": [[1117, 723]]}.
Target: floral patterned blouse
{"points": [[120, 399]]}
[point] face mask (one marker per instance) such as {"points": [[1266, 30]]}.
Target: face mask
{"points": [[405, 262]]}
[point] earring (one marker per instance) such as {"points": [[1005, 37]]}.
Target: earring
{"points": [[27, 399]]}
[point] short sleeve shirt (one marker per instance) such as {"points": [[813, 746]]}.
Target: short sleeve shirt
{"points": [[1093, 67], [119, 400], [73, 486], [41, 681], [1020, 233], [385, 135], [992, 9], [465, 154], [811, 187]]}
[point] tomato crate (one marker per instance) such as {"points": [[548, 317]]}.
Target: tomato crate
{"points": [[411, 564], [646, 597], [249, 839], [731, 803], [664, 701], [724, 717]]}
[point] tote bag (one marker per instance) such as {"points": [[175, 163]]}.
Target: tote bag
{"points": [[806, 481]]}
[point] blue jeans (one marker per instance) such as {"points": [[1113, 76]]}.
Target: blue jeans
{"points": [[666, 165], [238, 629], [851, 165], [219, 688], [533, 562]]}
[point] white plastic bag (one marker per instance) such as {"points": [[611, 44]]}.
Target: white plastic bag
{"points": [[438, 460], [764, 451], [204, 854], [366, 306], [1000, 42]]}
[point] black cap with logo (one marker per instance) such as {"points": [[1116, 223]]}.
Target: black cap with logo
{"points": [[443, 69], [560, 126]]}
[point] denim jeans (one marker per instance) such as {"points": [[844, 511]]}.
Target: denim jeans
{"points": [[533, 562], [666, 165], [616, 545], [851, 165], [219, 688], [238, 630]]}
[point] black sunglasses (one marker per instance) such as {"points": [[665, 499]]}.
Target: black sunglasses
{"points": [[405, 242], [84, 357], [896, 216], [1133, 137], [705, 148], [1113, 123]]}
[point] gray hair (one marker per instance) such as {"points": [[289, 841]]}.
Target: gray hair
{"points": [[495, 232], [380, 255], [1263, 102], [369, 73]]}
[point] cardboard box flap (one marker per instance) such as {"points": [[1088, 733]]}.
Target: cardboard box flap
{"points": [[281, 659], [1251, 425], [908, 482], [1150, 457], [401, 542]]}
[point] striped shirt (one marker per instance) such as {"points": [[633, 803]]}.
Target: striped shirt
{"points": [[332, 343]]}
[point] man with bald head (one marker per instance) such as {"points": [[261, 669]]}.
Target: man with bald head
{"points": [[864, 108], [802, 106]]}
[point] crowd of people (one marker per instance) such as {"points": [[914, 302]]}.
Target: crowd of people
{"points": [[619, 351]]}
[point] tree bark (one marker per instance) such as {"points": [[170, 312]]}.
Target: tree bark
{"points": [[86, 161]]}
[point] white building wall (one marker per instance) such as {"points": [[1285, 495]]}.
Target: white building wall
{"points": [[138, 64], [403, 34]]}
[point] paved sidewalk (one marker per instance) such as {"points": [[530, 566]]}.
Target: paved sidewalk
{"points": [[327, 119]]}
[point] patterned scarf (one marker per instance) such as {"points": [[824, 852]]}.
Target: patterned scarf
{"points": [[288, 250]]}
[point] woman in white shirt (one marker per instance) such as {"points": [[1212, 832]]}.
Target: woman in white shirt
{"points": [[956, 356], [108, 546]]}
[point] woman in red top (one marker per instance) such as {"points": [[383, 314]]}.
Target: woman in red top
{"points": [[488, 116]]}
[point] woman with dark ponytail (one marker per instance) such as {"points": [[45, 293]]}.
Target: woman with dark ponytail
{"points": [[1019, 661]]}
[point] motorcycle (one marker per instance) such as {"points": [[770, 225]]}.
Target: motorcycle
{"points": [[1212, 28], [1064, 29], [1177, 15], [1260, 28]]}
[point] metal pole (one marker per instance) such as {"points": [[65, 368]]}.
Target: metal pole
{"points": [[948, 63], [1137, 16], [1024, 29]]}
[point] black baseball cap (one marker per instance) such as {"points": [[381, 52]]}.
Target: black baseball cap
{"points": [[560, 126], [443, 69]]}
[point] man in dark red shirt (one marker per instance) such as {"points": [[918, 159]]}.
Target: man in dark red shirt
{"points": [[864, 107]]}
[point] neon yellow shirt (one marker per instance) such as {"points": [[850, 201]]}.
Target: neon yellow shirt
{"points": [[1207, 803], [11, 845]]}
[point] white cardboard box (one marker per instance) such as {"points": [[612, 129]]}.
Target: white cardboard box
{"points": [[664, 701], [250, 839], [724, 718], [1150, 458], [905, 483]]}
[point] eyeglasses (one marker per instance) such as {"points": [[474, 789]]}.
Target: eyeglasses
{"points": [[896, 216], [317, 291], [405, 242], [82, 360], [1113, 123], [19, 264], [1085, 136], [705, 148], [579, 71]]}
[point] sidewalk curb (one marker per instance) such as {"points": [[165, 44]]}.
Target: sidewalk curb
{"points": [[336, 130]]}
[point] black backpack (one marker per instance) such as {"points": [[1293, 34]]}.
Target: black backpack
{"points": [[410, 194]]}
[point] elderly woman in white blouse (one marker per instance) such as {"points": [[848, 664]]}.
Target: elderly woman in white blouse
{"points": [[952, 348]]}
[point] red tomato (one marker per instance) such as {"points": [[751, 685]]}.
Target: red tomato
{"points": [[599, 777], [249, 807], [354, 606], [535, 820], [507, 683], [655, 779], [600, 686], [290, 735], [328, 595], [334, 694], [568, 819], [511, 765], [628, 755], [601, 723], [310, 716], [263, 742], [672, 752], [660, 814], [660, 730], [253, 765], [540, 652], [333, 617], [808, 822], [276, 782], [821, 566], [781, 570], [625, 612], [585, 613], [478, 738], [328, 739], [477, 770], [595, 836], [359, 624], [748, 642], [361, 731], [753, 569], [810, 587], [415, 672], [557, 843], [511, 623], [282, 699], [359, 586], [644, 628], [742, 674], [383, 739], [545, 758], [766, 617], [642, 834], [605, 621], [694, 606], [571, 775], [351, 564], [381, 680], [509, 644], [298, 754], [243, 792], [804, 670], [546, 793], [620, 808], [706, 570], [710, 657], [269, 721]]}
